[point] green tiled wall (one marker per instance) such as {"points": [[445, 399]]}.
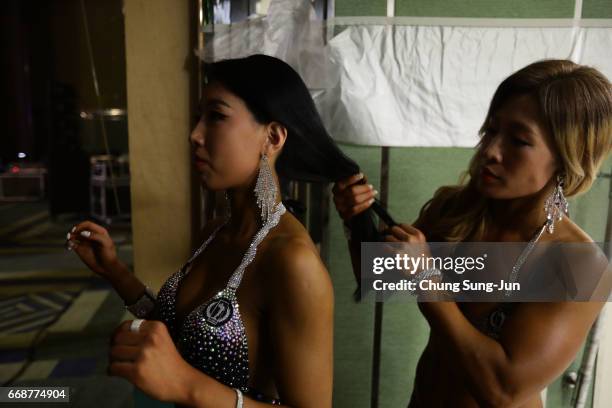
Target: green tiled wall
{"points": [[486, 8], [597, 9], [590, 210], [360, 7], [476, 8]]}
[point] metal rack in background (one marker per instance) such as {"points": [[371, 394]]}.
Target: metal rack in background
{"points": [[109, 175]]}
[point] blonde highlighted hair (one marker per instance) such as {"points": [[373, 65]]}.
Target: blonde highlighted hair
{"points": [[576, 102]]}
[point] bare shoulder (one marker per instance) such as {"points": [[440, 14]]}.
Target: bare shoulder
{"points": [[570, 232], [577, 246], [292, 262], [580, 251], [584, 262]]}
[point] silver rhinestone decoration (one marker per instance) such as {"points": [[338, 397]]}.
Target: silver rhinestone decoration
{"points": [[497, 319], [219, 351], [554, 207], [523, 256], [272, 221], [556, 204], [265, 189]]}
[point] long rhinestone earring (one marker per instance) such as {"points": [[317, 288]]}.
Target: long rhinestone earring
{"points": [[556, 204], [265, 189]]}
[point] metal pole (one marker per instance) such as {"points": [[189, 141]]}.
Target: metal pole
{"points": [[378, 306], [94, 77]]}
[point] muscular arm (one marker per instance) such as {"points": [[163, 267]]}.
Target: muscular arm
{"points": [[538, 342]]}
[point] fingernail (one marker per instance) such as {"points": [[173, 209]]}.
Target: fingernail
{"points": [[375, 192], [370, 201], [86, 233], [68, 236], [371, 186], [73, 229], [360, 175]]}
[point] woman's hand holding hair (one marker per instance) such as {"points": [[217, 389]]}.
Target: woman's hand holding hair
{"points": [[353, 195], [404, 233]]}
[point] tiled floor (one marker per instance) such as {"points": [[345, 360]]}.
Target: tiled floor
{"points": [[55, 315]]}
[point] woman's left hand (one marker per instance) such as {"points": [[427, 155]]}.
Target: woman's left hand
{"points": [[418, 247], [405, 233], [149, 360]]}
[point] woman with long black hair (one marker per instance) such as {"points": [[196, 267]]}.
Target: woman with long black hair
{"points": [[248, 320]]}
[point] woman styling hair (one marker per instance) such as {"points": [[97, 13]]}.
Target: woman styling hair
{"points": [[546, 134]]}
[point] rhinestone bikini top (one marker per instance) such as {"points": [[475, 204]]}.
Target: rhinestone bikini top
{"points": [[493, 322], [212, 337]]}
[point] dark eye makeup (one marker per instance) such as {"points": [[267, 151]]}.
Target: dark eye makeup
{"points": [[208, 116], [519, 142], [215, 116]]}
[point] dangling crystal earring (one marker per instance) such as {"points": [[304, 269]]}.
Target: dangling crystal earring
{"points": [[556, 205], [265, 189]]}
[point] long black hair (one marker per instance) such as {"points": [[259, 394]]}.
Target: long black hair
{"points": [[273, 91]]}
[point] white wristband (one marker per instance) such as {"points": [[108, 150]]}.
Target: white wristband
{"points": [[239, 398]]}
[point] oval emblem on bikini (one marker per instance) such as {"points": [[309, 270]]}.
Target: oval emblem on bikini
{"points": [[218, 311], [496, 320]]}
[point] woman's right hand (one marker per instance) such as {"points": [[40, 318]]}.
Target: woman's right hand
{"points": [[353, 195], [92, 243]]}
